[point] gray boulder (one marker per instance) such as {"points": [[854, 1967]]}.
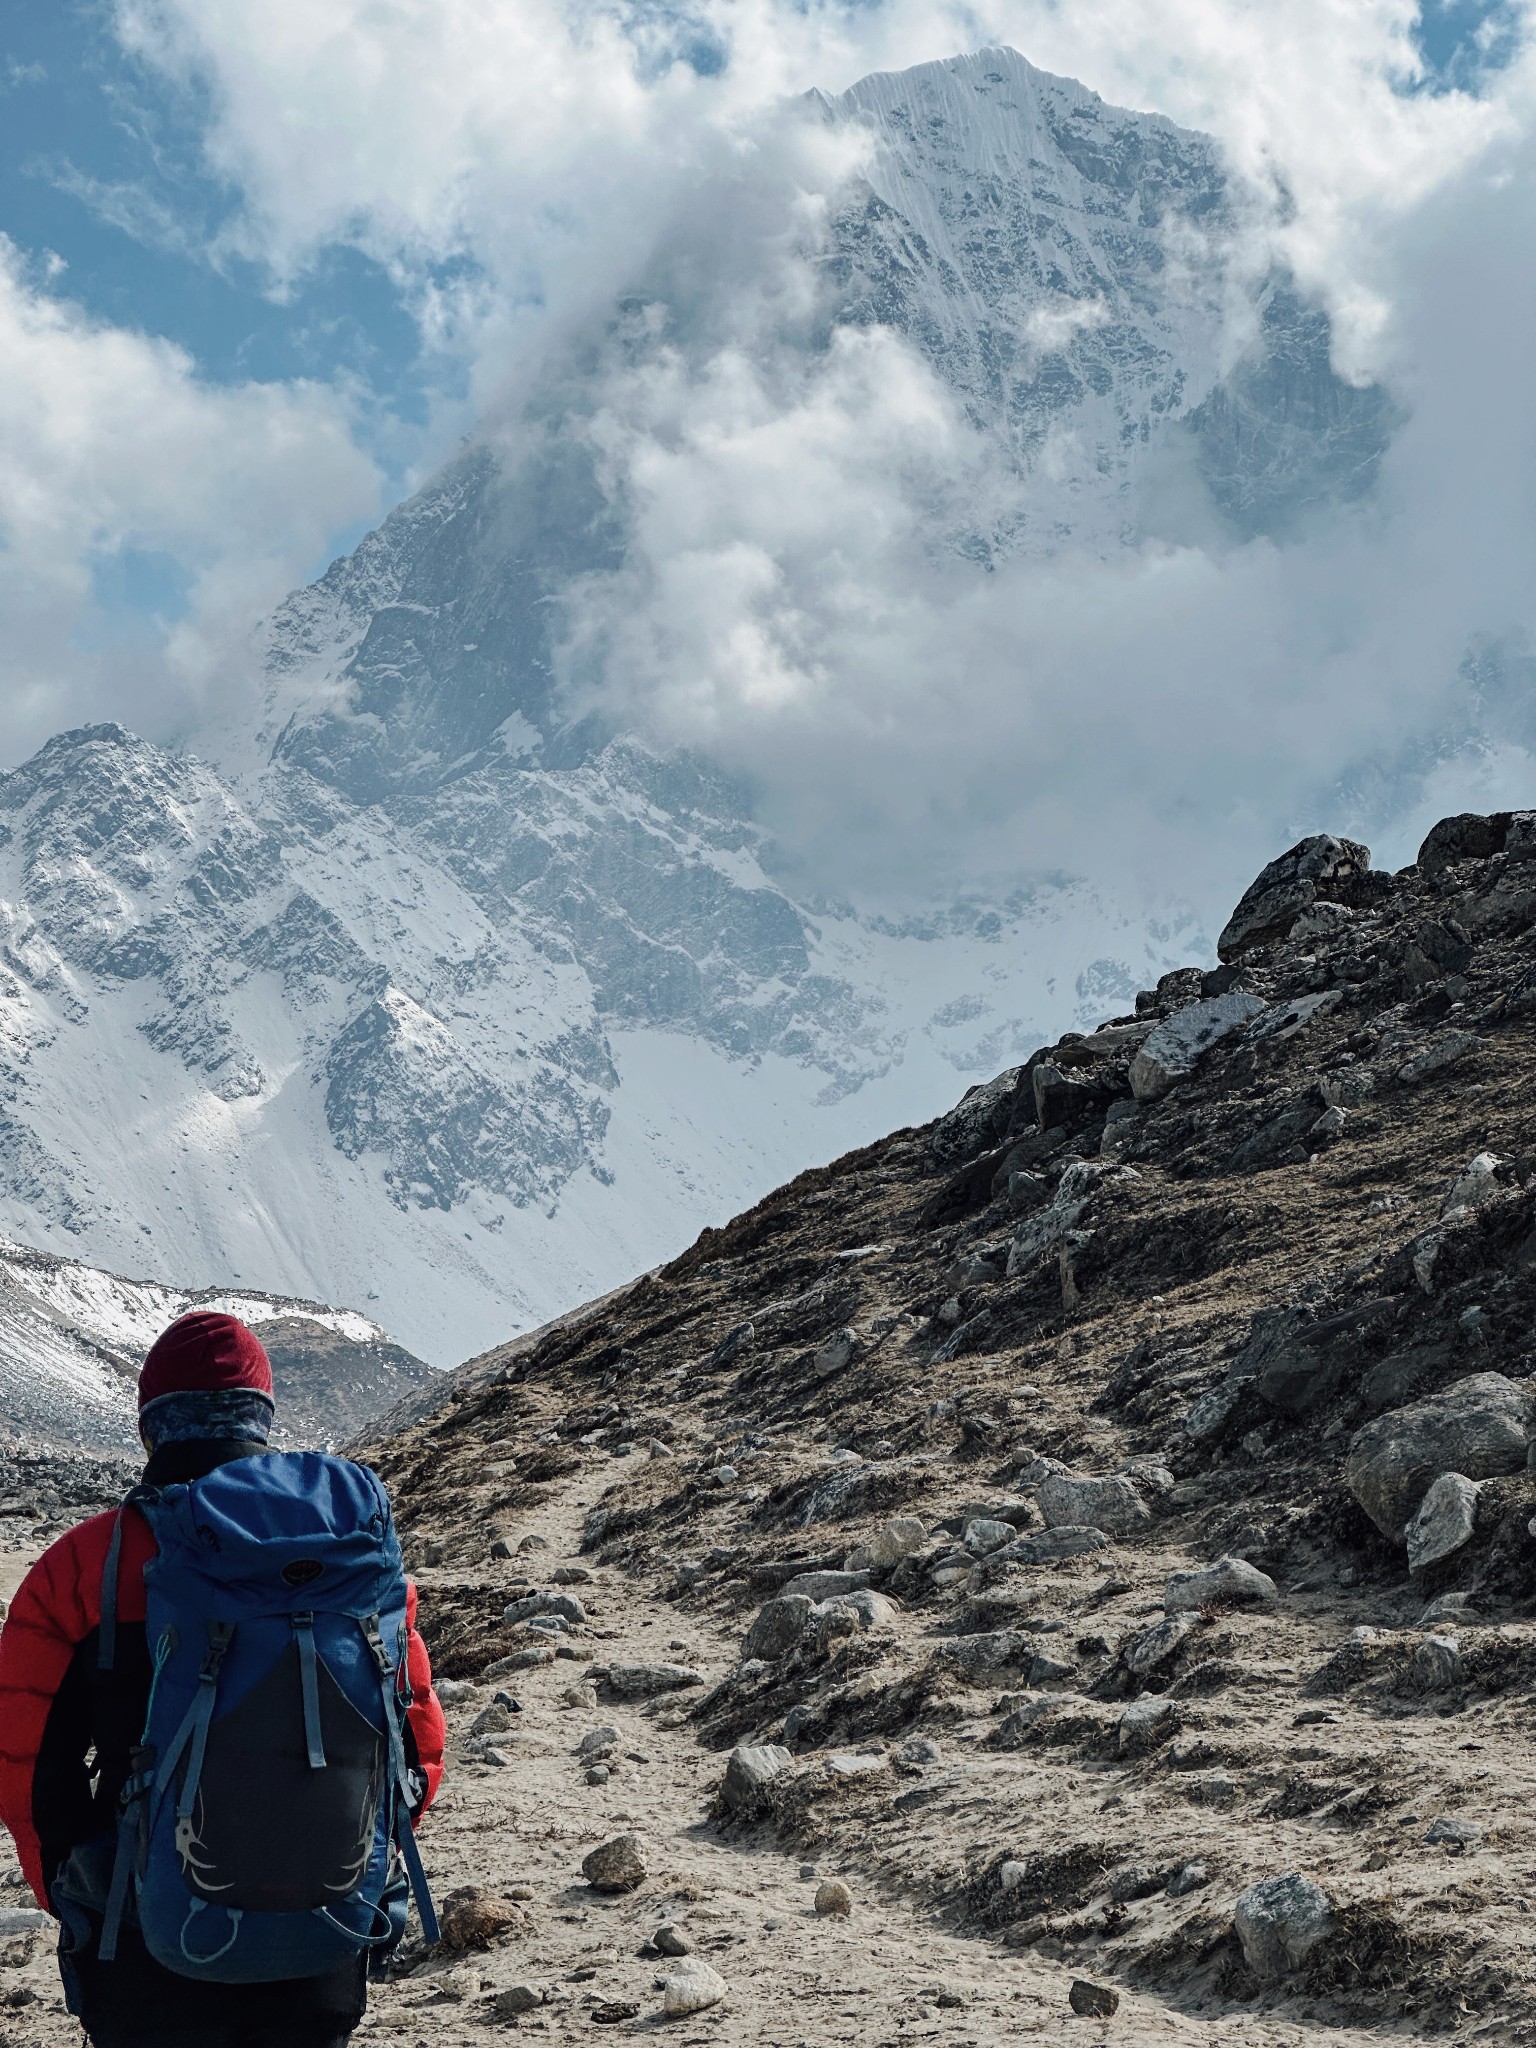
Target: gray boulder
{"points": [[1445, 1520], [850, 1614], [987, 1652], [1111, 1504], [1443, 1051], [1437, 1664], [1314, 869], [650, 1681], [778, 1627], [1229, 1582], [1070, 1540], [1153, 1647], [1145, 1723], [1180, 1042], [563, 1605], [751, 1770], [983, 1535], [1480, 1428], [824, 1585], [1279, 1922]]}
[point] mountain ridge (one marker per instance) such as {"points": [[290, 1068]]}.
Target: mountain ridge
{"points": [[420, 976]]}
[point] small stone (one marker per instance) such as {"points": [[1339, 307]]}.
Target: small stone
{"points": [[501, 1549], [1437, 1664], [692, 1986], [562, 1606], [1229, 1582], [833, 1898], [1446, 1519], [1279, 1922], [571, 1575], [1093, 2001], [598, 1741], [598, 1775], [516, 2000], [473, 1918], [723, 1475], [779, 1625], [1458, 1837], [616, 1866], [649, 1681], [918, 1752], [894, 1540], [533, 1543], [671, 1940], [1331, 1123], [982, 1536], [491, 1720], [1189, 1877], [1144, 1724], [751, 1770], [1136, 1881], [1044, 1670]]}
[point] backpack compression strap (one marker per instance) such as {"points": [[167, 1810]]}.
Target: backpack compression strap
{"points": [[193, 1730], [106, 1634], [405, 1838]]}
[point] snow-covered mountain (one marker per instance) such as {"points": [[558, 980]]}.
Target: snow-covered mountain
{"points": [[404, 989], [72, 1339]]}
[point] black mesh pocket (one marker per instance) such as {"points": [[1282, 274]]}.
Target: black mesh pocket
{"points": [[268, 1833]]}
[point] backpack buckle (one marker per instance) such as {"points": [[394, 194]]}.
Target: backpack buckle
{"points": [[375, 1641], [220, 1635]]}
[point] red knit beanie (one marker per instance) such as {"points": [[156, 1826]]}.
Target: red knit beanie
{"points": [[205, 1354]]}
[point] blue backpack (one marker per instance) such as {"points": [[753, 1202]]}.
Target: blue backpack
{"points": [[265, 1831]]}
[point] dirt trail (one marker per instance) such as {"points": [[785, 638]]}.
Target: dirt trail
{"points": [[890, 1973]]}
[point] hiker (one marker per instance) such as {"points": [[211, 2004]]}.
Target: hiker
{"points": [[212, 1770]]}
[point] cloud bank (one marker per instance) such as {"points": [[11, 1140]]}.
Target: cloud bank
{"points": [[907, 720]]}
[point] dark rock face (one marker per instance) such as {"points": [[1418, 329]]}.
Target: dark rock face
{"points": [[1314, 870]]}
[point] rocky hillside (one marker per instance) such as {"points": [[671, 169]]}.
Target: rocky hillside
{"points": [[1098, 1523]]}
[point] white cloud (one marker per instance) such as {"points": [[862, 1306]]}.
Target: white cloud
{"points": [[544, 139], [781, 601], [114, 445]]}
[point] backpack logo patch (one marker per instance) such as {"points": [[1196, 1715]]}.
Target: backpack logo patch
{"points": [[302, 1572]]}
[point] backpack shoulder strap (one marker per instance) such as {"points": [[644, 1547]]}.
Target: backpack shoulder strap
{"points": [[106, 1634]]}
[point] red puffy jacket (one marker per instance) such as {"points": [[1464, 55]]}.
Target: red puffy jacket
{"points": [[57, 1606]]}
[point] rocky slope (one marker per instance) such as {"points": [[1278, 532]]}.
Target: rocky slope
{"points": [[402, 975], [1105, 1511]]}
